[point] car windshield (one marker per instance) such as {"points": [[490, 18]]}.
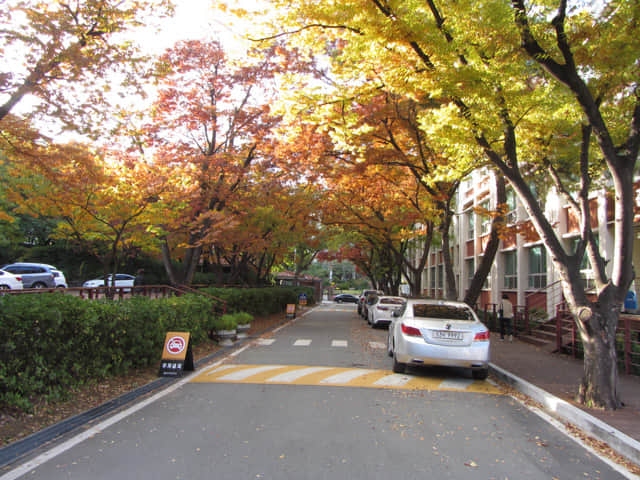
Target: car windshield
{"points": [[445, 312]]}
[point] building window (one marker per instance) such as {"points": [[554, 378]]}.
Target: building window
{"points": [[441, 276], [432, 278], [511, 215], [471, 224], [537, 267], [586, 272], [471, 270], [510, 270], [485, 218]]}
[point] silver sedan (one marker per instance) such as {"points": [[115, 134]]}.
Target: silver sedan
{"points": [[439, 332]]}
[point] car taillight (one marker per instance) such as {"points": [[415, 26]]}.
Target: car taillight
{"points": [[412, 331], [481, 337], [19, 279]]}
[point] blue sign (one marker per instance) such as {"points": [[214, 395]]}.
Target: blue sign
{"points": [[631, 302]]}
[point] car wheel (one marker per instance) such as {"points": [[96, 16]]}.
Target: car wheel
{"points": [[397, 366], [38, 285], [480, 374]]}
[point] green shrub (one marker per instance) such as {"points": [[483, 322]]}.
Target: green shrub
{"points": [[50, 343], [243, 318], [225, 322]]}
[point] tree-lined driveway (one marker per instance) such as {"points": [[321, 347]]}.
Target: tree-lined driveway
{"points": [[247, 427]]}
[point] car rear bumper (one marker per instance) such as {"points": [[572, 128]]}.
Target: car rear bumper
{"points": [[416, 351]]}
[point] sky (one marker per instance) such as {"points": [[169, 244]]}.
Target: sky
{"points": [[198, 19]]}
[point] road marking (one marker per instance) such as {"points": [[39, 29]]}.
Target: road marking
{"points": [[248, 372], [265, 341], [456, 383], [377, 345], [335, 376], [302, 342], [339, 343], [395, 380], [293, 375], [346, 376]]}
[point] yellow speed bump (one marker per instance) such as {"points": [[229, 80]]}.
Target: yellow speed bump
{"points": [[345, 377]]}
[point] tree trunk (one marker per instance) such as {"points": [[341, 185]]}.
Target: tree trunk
{"points": [[491, 249], [599, 383], [182, 276]]}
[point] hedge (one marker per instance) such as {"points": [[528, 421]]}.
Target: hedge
{"points": [[50, 343]]}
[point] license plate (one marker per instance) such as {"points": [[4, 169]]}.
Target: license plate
{"points": [[447, 335]]}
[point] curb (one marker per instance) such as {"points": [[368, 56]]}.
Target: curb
{"points": [[618, 441]]}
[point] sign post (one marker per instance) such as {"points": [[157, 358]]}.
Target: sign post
{"points": [[302, 299], [291, 310], [176, 355]]}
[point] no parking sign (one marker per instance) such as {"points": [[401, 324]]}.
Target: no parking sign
{"points": [[176, 354]]}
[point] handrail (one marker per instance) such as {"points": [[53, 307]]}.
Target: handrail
{"points": [[543, 289]]}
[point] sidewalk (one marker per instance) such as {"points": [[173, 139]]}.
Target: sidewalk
{"points": [[560, 375]]}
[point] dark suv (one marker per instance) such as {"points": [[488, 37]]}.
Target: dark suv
{"points": [[34, 275]]}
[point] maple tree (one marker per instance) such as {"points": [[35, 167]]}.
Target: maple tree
{"points": [[526, 90], [53, 51], [100, 202], [212, 120]]}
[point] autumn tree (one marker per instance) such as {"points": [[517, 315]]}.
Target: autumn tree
{"points": [[532, 90], [212, 119], [59, 53], [100, 202]]}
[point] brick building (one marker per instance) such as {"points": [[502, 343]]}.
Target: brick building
{"points": [[522, 268]]}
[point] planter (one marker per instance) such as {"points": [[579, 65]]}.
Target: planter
{"points": [[226, 337], [243, 330]]}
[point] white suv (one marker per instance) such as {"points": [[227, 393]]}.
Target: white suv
{"points": [[34, 275]]}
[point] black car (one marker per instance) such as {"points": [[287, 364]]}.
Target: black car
{"points": [[345, 298]]}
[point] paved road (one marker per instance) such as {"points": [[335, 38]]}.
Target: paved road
{"points": [[316, 400]]}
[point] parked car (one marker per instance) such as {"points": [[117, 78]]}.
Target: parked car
{"points": [[9, 281], [345, 298], [438, 332], [59, 278], [380, 312], [369, 300], [34, 275], [122, 280], [363, 297]]}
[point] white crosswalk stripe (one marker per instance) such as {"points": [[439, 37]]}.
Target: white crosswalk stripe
{"points": [[377, 345], [294, 375], [249, 372], [346, 377], [456, 383], [339, 343], [302, 342], [395, 380], [265, 341]]}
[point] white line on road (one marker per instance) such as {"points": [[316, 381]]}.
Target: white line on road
{"points": [[249, 372], [292, 376], [302, 342], [339, 343], [395, 380], [346, 377], [265, 341], [377, 345], [456, 383]]}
